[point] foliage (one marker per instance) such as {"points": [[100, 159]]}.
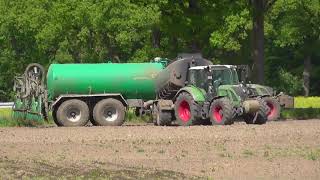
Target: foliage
{"points": [[296, 23], [5, 114], [301, 114], [6, 120], [293, 32], [288, 83], [70, 31], [304, 108], [132, 118], [232, 35]]}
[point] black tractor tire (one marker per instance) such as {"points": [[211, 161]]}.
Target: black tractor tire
{"points": [[261, 116], [54, 117], [274, 108], [73, 112], [109, 112], [185, 110], [161, 117], [221, 112]]}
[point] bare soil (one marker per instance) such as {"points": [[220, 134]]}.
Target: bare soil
{"points": [[277, 150]]}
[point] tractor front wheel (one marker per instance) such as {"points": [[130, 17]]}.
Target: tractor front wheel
{"points": [[221, 112], [185, 110]]}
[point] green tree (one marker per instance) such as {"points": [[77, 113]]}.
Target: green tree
{"points": [[295, 25], [244, 24], [20, 21]]}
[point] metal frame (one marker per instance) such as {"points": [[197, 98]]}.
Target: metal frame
{"points": [[5, 105], [89, 95]]}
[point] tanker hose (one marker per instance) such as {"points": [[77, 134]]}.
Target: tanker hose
{"points": [[35, 71]]}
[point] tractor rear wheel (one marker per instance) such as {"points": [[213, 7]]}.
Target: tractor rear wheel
{"points": [[185, 110], [109, 112], [260, 117], [221, 112], [274, 108], [73, 112]]}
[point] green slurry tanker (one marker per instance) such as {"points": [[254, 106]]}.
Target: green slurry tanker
{"points": [[76, 93], [188, 91]]}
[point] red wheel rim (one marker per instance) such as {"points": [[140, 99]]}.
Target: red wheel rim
{"points": [[184, 111], [272, 109], [217, 114]]}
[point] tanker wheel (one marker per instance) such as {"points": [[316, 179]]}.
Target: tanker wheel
{"points": [[73, 112], [161, 117], [274, 108], [54, 117], [185, 110], [260, 117], [109, 112], [221, 112]]}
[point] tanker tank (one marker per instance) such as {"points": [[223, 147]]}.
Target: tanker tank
{"points": [[131, 80]]}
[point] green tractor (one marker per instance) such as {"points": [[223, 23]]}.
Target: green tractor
{"points": [[274, 100], [192, 91]]}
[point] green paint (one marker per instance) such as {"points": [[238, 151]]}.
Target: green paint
{"points": [[197, 93], [132, 80], [261, 90], [227, 91]]}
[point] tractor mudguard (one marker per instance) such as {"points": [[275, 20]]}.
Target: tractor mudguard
{"points": [[197, 94], [262, 90]]}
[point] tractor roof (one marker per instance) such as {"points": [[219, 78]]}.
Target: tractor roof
{"points": [[214, 66]]}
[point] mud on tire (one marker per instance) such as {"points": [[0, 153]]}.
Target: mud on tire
{"points": [[73, 112], [109, 112], [221, 112], [185, 110]]}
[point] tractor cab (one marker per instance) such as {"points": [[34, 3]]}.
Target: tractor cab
{"points": [[224, 75], [215, 75], [211, 78], [199, 76]]}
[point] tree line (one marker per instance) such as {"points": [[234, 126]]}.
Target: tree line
{"points": [[279, 39]]}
